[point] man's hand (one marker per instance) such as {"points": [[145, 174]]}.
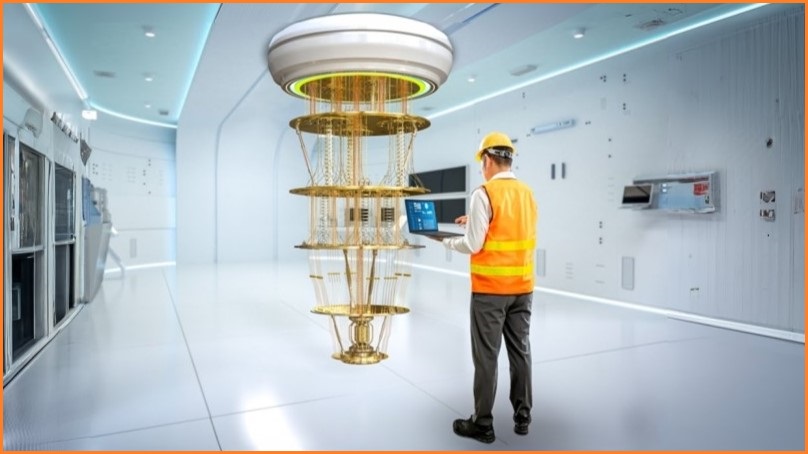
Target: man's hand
{"points": [[462, 220]]}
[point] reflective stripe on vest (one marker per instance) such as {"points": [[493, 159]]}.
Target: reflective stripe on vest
{"points": [[504, 266], [502, 270], [518, 245]]}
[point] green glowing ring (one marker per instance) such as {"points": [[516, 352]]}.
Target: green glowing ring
{"points": [[424, 87]]}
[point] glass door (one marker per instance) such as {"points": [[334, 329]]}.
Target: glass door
{"points": [[28, 282], [64, 243]]}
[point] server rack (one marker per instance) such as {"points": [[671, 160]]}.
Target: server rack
{"points": [[25, 257], [41, 249]]}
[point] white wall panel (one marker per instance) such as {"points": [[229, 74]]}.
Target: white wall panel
{"points": [[259, 161], [14, 107], [234, 178], [195, 194], [140, 178], [143, 247], [697, 102], [291, 223], [243, 166]]}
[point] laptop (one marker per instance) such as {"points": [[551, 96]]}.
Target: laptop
{"points": [[423, 220]]}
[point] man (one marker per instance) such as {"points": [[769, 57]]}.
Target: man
{"points": [[501, 237]]}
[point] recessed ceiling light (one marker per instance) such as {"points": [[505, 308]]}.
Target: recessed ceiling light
{"points": [[89, 114], [147, 105], [148, 77], [579, 33], [148, 31], [471, 78]]}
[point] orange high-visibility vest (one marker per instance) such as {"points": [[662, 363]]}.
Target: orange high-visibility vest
{"points": [[504, 266]]}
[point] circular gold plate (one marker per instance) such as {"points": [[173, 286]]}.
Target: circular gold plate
{"points": [[351, 247], [346, 124], [372, 310], [360, 191], [360, 359]]}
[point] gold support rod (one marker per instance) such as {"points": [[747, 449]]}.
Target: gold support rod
{"points": [[305, 155], [409, 150], [372, 274], [336, 334], [348, 275]]}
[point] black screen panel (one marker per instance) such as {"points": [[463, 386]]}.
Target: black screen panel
{"points": [[640, 193], [442, 180], [450, 209]]}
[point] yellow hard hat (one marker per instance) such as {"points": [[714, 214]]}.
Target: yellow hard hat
{"points": [[497, 144]]}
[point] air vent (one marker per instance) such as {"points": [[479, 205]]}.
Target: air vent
{"points": [[521, 70], [106, 74], [163, 112], [651, 24], [673, 11]]}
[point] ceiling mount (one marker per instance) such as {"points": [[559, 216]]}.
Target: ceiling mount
{"points": [[411, 51]]}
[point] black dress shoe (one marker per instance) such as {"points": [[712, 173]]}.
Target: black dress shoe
{"points": [[468, 428], [520, 425]]}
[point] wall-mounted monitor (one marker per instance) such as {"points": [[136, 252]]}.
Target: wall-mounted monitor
{"points": [[439, 181], [684, 193]]}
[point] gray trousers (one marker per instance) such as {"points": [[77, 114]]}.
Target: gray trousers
{"points": [[492, 318]]}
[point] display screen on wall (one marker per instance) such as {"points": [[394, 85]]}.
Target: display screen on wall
{"points": [[450, 209], [441, 180]]}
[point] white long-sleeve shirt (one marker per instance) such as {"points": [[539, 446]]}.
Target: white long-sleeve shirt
{"points": [[479, 217]]}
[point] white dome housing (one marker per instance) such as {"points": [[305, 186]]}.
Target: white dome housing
{"points": [[360, 43]]}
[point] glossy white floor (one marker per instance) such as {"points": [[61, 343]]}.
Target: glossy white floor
{"points": [[206, 358]]}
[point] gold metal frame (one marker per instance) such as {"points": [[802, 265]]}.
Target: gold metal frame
{"points": [[358, 191], [358, 257], [349, 124]]}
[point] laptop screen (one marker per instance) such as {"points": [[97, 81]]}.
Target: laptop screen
{"points": [[421, 215]]}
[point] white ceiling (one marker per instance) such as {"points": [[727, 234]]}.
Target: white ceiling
{"points": [[490, 41]]}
